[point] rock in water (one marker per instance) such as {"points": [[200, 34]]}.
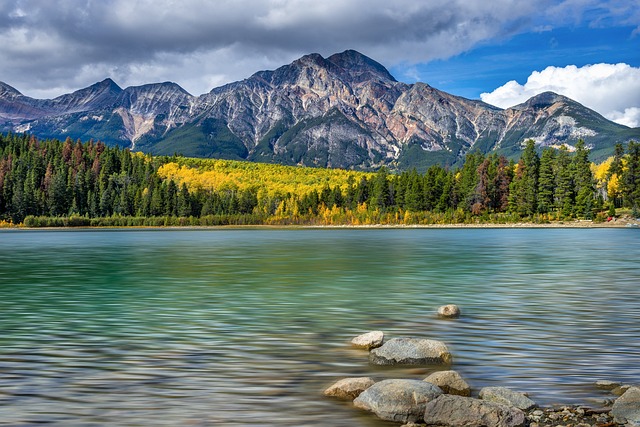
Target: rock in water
{"points": [[349, 388], [626, 408], [410, 351], [619, 391], [450, 382], [450, 311], [398, 400], [506, 396], [458, 411], [607, 385], [373, 339]]}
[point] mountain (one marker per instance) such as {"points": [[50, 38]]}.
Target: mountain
{"points": [[343, 111]]}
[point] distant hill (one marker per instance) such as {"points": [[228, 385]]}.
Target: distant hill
{"points": [[344, 111]]}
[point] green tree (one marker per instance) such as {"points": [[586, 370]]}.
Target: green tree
{"points": [[546, 181], [524, 187], [564, 191], [631, 177], [381, 196], [583, 181]]}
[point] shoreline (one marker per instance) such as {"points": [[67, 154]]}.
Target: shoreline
{"points": [[620, 223]]}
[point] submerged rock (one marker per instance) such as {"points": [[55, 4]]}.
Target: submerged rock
{"points": [[619, 391], [398, 400], [449, 311], [450, 382], [410, 351], [458, 411], [373, 339], [506, 396], [349, 388], [607, 385], [626, 408]]}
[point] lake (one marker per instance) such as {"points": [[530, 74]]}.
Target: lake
{"points": [[247, 327]]}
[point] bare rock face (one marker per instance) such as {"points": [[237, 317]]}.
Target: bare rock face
{"points": [[411, 351], [373, 339], [506, 396], [458, 411], [349, 388], [345, 111], [626, 408], [449, 311], [450, 382], [398, 400]]}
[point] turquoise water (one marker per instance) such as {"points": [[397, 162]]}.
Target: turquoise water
{"points": [[247, 327]]}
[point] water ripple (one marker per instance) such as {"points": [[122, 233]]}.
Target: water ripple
{"points": [[236, 327]]}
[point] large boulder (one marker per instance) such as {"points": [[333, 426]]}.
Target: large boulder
{"points": [[450, 382], [398, 400], [410, 351], [349, 388], [626, 408], [458, 411], [369, 340], [506, 396], [450, 311]]}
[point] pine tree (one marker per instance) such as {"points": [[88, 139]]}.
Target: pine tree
{"points": [[583, 182], [564, 192], [546, 182], [631, 177], [524, 187], [381, 195]]}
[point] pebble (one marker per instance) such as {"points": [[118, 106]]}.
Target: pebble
{"points": [[569, 416]]}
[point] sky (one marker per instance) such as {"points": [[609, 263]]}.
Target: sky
{"points": [[500, 51]]}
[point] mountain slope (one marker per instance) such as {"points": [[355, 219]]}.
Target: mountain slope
{"points": [[344, 111]]}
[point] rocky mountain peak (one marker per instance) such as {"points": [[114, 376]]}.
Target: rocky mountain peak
{"points": [[108, 84], [154, 98], [8, 91], [360, 67], [312, 59], [543, 100]]}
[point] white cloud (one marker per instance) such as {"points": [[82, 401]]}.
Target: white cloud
{"points": [[630, 117], [612, 90]]}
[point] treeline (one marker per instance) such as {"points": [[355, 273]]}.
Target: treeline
{"points": [[556, 185], [71, 179], [54, 183]]}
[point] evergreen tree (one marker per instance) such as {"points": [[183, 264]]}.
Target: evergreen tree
{"points": [[381, 196], [546, 182], [631, 177], [524, 187], [583, 182], [564, 192], [184, 202]]}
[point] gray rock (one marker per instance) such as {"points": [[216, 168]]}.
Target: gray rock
{"points": [[349, 388], [626, 408], [506, 396], [449, 311], [455, 411], [450, 382], [373, 339], [410, 351], [607, 385], [398, 400]]}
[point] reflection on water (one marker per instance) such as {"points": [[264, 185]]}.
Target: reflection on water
{"points": [[246, 327]]}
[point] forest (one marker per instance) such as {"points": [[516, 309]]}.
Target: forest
{"points": [[74, 183]]}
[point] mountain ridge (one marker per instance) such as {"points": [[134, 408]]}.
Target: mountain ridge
{"points": [[343, 111]]}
